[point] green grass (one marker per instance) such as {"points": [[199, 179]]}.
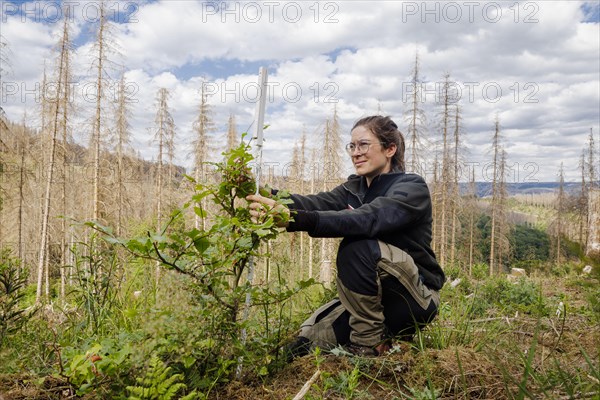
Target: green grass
{"points": [[493, 338]]}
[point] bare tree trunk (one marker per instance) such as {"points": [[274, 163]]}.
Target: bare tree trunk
{"points": [[502, 222], [97, 126], [593, 204], [332, 163], [494, 206], [583, 205], [455, 189], [123, 140], [301, 177], [416, 124], [313, 167], [165, 128], [591, 163], [472, 221], [593, 247], [202, 128], [560, 210], [296, 178], [436, 206], [445, 178], [22, 175], [47, 275], [64, 103], [232, 135], [61, 91]]}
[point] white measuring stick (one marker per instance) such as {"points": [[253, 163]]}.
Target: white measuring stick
{"points": [[259, 123], [258, 139]]}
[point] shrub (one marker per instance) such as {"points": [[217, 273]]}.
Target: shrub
{"points": [[13, 315], [522, 295], [214, 262]]}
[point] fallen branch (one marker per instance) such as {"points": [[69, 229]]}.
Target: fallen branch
{"points": [[579, 396], [307, 386]]}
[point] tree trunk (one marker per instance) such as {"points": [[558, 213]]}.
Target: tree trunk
{"points": [[42, 261], [593, 245], [97, 119]]}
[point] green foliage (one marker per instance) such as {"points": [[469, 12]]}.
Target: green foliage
{"points": [[484, 226], [159, 383], [522, 295], [480, 271], [96, 365], [213, 262], [345, 383], [97, 278], [28, 349], [593, 298], [12, 313], [529, 244], [217, 257], [423, 394], [530, 247]]}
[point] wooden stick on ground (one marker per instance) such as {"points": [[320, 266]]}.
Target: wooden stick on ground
{"points": [[307, 386]]}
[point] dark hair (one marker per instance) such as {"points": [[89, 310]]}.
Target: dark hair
{"points": [[388, 133]]}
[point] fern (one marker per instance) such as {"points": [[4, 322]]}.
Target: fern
{"points": [[12, 314], [159, 384]]}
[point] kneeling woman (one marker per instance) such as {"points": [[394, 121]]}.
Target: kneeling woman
{"points": [[387, 275]]}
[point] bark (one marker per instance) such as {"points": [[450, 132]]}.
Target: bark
{"points": [[202, 127], [495, 193], [122, 142], [593, 247], [232, 135], [455, 203], [416, 124], [560, 211], [165, 127], [97, 125], [583, 204], [330, 178], [472, 213], [54, 127], [446, 172]]}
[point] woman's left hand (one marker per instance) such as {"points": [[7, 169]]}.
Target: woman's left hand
{"points": [[260, 206]]}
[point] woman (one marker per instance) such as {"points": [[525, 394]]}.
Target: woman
{"points": [[387, 275]]}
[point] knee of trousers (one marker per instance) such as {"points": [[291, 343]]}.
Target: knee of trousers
{"points": [[357, 265]]}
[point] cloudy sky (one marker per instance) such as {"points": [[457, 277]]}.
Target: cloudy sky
{"points": [[534, 64]]}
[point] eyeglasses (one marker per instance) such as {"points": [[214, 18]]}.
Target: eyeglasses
{"points": [[362, 147]]}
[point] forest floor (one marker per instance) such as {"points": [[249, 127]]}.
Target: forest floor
{"points": [[564, 349], [514, 356]]}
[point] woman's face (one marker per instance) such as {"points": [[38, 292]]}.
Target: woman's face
{"points": [[369, 157]]}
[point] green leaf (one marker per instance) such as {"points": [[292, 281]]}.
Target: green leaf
{"points": [[262, 232], [159, 238], [201, 244], [115, 240], [245, 243], [188, 361]]}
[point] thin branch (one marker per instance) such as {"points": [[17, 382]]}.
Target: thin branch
{"points": [[307, 386]]}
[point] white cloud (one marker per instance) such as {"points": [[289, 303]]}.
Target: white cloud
{"points": [[540, 55]]}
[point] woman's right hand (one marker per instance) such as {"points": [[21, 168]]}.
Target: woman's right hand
{"points": [[260, 206]]}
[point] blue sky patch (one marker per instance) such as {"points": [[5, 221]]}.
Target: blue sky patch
{"points": [[591, 11], [217, 68]]}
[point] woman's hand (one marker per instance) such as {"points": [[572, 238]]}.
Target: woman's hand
{"points": [[260, 206]]}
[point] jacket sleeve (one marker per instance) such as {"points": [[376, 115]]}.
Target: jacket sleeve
{"points": [[332, 200], [403, 205]]}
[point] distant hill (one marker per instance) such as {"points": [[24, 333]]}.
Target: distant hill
{"points": [[484, 189]]}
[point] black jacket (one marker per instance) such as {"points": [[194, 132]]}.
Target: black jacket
{"points": [[395, 209]]}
